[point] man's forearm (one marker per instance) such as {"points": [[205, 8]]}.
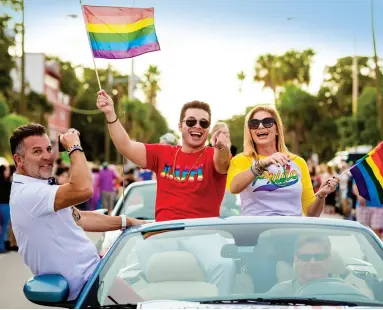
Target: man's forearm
{"points": [[222, 159], [80, 175], [95, 222]]}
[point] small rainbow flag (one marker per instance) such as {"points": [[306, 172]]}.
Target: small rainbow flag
{"points": [[368, 175], [120, 32]]}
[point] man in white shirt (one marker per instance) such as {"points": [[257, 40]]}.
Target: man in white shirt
{"points": [[50, 232]]}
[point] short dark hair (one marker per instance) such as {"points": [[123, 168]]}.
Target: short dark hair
{"points": [[324, 241], [25, 131], [195, 105]]}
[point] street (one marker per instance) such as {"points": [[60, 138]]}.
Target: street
{"points": [[13, 275]]}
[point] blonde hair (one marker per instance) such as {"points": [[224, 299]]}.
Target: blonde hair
{"points": [[217, 126], [248, 143]]}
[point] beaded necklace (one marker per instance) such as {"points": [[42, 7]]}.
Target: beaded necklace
{"points": [[191, 169]]}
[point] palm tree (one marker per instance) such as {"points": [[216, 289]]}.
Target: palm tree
{"points": [[266, 72], [241, 77], [150, 84], [275, 71]]}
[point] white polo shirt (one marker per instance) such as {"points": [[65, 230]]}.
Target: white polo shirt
{"points": [[49, 241]]}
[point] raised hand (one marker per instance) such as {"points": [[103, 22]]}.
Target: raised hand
{"points": [[220, 140], [105, 103]]}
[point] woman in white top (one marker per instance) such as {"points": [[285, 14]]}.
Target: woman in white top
{"points": [[270, 179]]}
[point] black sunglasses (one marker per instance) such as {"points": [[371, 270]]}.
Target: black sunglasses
{"points": [[191, 122], [266, 122], [317, 257]]}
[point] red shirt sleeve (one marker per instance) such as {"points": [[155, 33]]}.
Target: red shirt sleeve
{"points": [[153, 153]]}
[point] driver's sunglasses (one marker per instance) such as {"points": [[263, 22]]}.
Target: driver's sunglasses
{"points": [[266, 122], [191, 122], [319, 257]]}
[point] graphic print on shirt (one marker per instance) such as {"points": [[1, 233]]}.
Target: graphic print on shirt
{"points": [[273, 181], [195, 175]]}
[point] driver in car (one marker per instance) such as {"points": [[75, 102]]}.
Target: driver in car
{"points": [[311, 262]]}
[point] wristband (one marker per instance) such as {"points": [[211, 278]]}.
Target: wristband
{"points": [[251, 168], [73, 148], [113, 121], [123, 221]]}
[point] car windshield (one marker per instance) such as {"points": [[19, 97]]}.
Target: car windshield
{"points": [[242, 261], [140, 202]]}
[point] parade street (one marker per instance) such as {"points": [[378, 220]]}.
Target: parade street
{"points": [[14, 273]]}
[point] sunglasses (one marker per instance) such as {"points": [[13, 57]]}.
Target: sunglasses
{"points": [[266, 122], [191, 122], [317, 257]]}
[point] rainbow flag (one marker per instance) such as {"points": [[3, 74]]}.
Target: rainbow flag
{"points": [[120, 32], [368, 175]]}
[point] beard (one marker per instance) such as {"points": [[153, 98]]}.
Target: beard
{"points": [[37, 172]]}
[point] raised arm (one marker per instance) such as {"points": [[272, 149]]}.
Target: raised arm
{"points": [[80, 187], [132, 150]]}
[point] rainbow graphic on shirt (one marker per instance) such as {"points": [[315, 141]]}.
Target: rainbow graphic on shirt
{"points": [[281, 179], [195, 175]]}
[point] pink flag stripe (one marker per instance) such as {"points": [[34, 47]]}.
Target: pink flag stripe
{"points": [[115, 15], [147, 48]]}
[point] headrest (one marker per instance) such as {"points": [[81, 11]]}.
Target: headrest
{"points": [[174, 266], [337, 265]]}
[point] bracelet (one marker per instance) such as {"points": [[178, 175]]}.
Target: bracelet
{"points": [[113, 121], [251, 168], [259, 169], [123, 221], [73, 148], [320, 197]]}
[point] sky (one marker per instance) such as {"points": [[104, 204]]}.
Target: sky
{"points": [[205, 43]]}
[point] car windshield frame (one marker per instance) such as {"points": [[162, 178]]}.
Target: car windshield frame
{"points": [[166, 231]]}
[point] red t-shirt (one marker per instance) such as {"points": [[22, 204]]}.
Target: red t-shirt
{"points": [[200, 195]]}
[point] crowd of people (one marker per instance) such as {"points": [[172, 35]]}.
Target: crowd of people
{"points": [[345, 201]]}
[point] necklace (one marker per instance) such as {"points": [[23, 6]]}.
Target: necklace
{"points": [[191, 169]]}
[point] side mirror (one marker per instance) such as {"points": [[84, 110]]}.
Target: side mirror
{"points": [[47, 289], [102, 211]]}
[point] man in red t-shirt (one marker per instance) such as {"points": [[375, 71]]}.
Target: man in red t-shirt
{"points": [[190, 178], [190, 183]]}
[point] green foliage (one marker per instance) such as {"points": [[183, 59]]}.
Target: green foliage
{"points": [[143, 122], [8, 123], [299, 111], [69, 82], [368, 115], [236, 125], [274, 71], [150, 84], [92, 127], [6, 61], [336, 91], [3, 107], [12, 121], [3, 129]]}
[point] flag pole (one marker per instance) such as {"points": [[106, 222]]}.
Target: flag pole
{"points": [[90, 46], [347, 170]]}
